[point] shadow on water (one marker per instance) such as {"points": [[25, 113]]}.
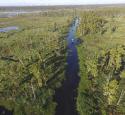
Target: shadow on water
{"points": [[66, 95], [4, 111]]}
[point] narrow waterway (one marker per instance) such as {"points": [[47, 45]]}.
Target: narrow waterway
{"points": [[66, 95]]}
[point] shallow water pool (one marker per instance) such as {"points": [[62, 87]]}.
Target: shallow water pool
{"points": [[7, 29]]}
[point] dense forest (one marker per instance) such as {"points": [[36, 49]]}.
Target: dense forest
{"points": [[33, 60]]}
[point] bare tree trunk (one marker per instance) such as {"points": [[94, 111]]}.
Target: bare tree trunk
{"points": [[33, 91], [121, 97]]}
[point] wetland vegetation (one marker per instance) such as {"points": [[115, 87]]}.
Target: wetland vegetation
{"points": [[63, 61]]}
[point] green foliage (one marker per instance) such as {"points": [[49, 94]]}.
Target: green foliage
{"points": [[103, 74], [91, 23], [32, 63], [101, 89], [122, 74], [110, 91]]}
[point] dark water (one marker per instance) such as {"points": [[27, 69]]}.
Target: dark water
{"points": [[4, 111], [7, 29], [66, 95]]}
